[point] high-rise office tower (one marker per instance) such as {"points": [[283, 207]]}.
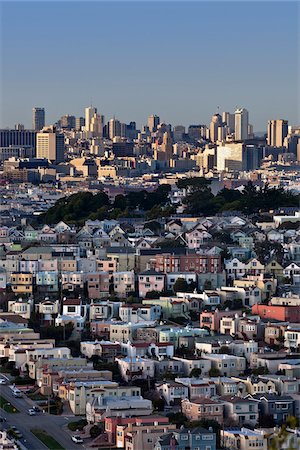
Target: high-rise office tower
{"points": [[97, 125], [228, 118], [178, 133], [277, 131], [114, 128], [50, 145], [90, 111], [68, 122], [216, 122], [241, 124], [153, 122], [79, 123], [38, 118]]}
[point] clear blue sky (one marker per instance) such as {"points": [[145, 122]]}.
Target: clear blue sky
{"points": [[179, 60]]}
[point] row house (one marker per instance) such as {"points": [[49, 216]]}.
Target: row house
{"points": [[106, 350], [124, 283], [132, 368], [143, 349], [248, 295], [203, 408], [240, 411], [171, 278], [22, 307], [104, 310], [244, 439], [46, 281], [238, 269], [256, 385], [71, 281], [47, 311], [212, 319], [142, 433], [79, 393], [139, 313], [171, 307], [197, 438], [112, 424], [32, 356], [150, 280], [292, 338], [172, 392], [227, 365], [97, 284], [101, 407], [277, 406], [198, 387], [21, 282]]}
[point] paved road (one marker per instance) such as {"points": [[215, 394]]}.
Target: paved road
{"points": [[52, 424]]}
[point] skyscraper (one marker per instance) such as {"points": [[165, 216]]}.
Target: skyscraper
{"points": [[90, 111], [277, 131], [228, 118], [50, 145], [216, 122], [38, 118], [153, 122], [114, 126], [241, 124]]}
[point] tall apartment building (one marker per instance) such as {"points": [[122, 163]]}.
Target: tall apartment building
{"points": [[50, 145], [38, 118], [277, 131], [241, 124]]}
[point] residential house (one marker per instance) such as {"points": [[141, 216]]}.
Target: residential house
{"points": [[203, 408], [21, 306], [240, 411], [150, 280], [227, 365], [97, 285], [135, 368], [244, 439], [172, 392], [194, 439]]}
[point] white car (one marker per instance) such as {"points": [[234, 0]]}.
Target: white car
{"points": [[31, 412], [77, 439], [2, 381]]}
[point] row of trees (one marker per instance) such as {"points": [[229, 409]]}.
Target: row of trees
{"points": [[84, 205], [200, 199]]}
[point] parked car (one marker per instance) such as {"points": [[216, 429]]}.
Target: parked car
{"points": [[77, 439], [36, 409], [31, 412], [2, 381], [17, 394]]}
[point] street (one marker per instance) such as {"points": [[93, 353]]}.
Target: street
{"points": [[52, 424]]}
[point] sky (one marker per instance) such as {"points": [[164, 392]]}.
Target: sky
{"points": [[180, 60]]}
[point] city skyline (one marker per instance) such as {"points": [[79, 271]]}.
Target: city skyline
{"points": [[179, 70]]}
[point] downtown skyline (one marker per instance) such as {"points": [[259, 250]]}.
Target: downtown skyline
{"points": [[147, 60]]}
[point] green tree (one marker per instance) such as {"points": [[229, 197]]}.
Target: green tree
{"points": [[180, 285], [95, 431], [196, 372], [214, 372]]}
